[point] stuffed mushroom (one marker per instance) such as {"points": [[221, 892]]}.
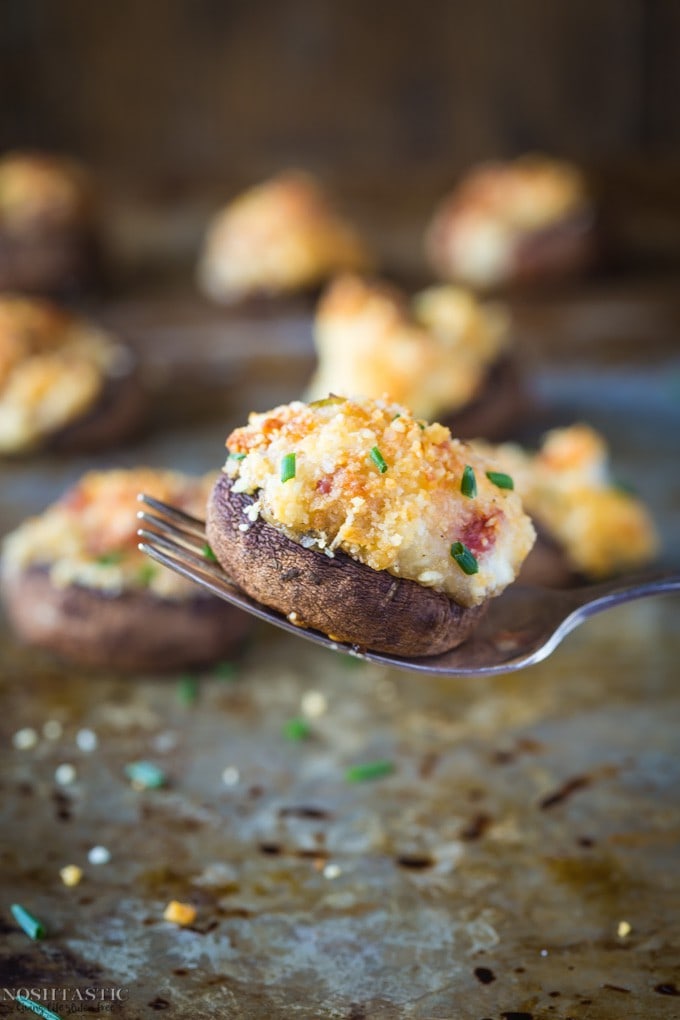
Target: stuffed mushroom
{"points": [[278, 238], [356, 519], [74, 582], [65, 383], [525, 221], [48, 236], [444, 354], [589, 528]]}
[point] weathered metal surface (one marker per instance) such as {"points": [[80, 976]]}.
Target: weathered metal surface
{"points": [[519, 860]]}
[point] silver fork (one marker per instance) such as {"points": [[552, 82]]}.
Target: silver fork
{"points": [[522, 626]]}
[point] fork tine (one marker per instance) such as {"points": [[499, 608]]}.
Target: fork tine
{"points": [[192, 540], [181, 554], [190, 524], [200, 572]]}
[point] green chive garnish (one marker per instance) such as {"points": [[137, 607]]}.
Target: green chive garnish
{"points": [[37, 1007], [296, 729], [378, 460], [145, 775], [187, 689], [500, 479], [288, 467], [208, 553], [109, 559], [34, 928], [464, 558], [468, 483], [146, 574], [237, 456], [369, 770]]}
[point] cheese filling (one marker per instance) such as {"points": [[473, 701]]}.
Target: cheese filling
{"points": [[277, 237], [89, 536], [433, 355], [567, 488], [367, 478]]}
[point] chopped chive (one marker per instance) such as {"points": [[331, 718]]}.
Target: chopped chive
{"points": [[145, 775], [397, 415], [464, 558], [468, 483], [288, 467], [110, 558], [500, 479], [378, 460], [187, 689], [146, 574], [37, 1007], [328, 401], [236, 456], [422, 426], [208, 553], [296, 729], [369, 770], [226, 670], [34, 928]]}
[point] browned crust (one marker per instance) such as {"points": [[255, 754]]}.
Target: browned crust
{"points": [[133, 631], [345, 599]]}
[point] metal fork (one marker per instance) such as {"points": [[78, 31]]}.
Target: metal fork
{"points": [[522, 626]]}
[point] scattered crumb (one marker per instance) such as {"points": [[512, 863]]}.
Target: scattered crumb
{"points": [[313, 704], [99, 855], [25, 739], [65, 774], [623, 929], [332, 871], [86, 740], [179, 913], [71, 874], [230, 776], [52, 729]]}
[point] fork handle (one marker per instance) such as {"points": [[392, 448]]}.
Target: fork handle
{"points": [[593, 598]]}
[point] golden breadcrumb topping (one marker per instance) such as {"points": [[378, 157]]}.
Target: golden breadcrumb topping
{"points": [[53, 367], [366, 477], [37, 188], [475, 231], [431, 354], [276, 238], [566, 487], [89, 536]]}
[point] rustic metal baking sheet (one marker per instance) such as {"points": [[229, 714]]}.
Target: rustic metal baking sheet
{"points": [[520, 859]]}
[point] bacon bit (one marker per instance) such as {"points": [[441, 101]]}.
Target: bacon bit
{"points": [[75, 499], [479, 534], [325, 484], [179, 913]]}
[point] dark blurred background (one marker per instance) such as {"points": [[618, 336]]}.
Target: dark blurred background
{"points": [[183, 88], [388, 101]]}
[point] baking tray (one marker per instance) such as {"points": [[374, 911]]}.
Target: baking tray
{"points": [[519, 857]]}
